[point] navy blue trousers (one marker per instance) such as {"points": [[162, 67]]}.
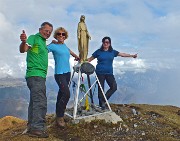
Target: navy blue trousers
{"points": [[63, 93], [109, 78]]}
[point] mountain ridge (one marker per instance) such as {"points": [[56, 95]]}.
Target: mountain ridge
{"points": [[141, 122], [150, 87]]}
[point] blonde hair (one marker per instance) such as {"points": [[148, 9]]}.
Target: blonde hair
{"points": [[60, 29]]}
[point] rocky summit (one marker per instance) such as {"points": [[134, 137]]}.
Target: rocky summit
{"points": [[140, 123]]}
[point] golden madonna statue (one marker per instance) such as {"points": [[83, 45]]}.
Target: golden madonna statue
{"points": [[83, 39]]}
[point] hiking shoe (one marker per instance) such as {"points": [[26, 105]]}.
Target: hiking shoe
{"points": [[38, 134], [60, 122], [103, 106]]}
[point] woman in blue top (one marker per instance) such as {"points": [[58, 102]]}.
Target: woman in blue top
{"points": [[61, 54], [104, 68]]}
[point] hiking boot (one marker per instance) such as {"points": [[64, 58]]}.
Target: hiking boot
{"points": [[103, 106], [38, 134], [60, 122]]}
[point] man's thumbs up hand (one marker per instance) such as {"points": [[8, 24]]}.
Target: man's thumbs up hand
{"points": [[23, 36]]}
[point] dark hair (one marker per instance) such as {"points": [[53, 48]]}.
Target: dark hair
{"points": [[103, 40], [46, 23]]}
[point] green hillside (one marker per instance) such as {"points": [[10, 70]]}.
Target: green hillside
{"points": [[140, 123]]}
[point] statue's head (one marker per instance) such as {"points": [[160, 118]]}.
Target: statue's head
{"points": [[82, 18]]}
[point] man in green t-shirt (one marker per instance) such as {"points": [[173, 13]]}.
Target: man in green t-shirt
{"points": [[37, 64]]}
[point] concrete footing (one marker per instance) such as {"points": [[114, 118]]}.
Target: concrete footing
{"points": [[109, 117]]}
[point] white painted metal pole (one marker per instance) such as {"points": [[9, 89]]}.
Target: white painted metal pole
{"points": [[103, 93], [71, 79], [87, 91], [77, 94]]}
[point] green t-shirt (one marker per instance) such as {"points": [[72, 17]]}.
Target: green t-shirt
{"points": [[37, 56]]}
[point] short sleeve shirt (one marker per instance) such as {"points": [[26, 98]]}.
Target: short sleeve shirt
{"points": [[61, 54], [105, 61], [37, 56]]}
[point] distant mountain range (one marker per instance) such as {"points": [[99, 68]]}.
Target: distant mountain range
{"points": [[14, 96], [150, 87]]}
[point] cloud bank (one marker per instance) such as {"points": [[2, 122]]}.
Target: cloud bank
{"points": [[148, 28]]}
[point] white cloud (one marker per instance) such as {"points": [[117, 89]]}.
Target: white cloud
{"points": [[146, 27], [6, 70], [136, 65]]}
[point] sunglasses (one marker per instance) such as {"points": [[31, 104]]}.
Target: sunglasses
{"points": [[106, 42], [61, 34]]}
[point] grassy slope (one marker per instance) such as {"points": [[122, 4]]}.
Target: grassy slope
{"points": [[152, 122]]}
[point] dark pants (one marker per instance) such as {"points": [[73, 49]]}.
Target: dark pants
{"points": [[112, 84], [63, 94], [38, 103]]}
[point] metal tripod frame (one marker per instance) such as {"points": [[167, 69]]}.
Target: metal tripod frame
{"points": [[76, 98]]}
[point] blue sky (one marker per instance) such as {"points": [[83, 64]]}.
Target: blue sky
{"points": [[149, 28]]}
